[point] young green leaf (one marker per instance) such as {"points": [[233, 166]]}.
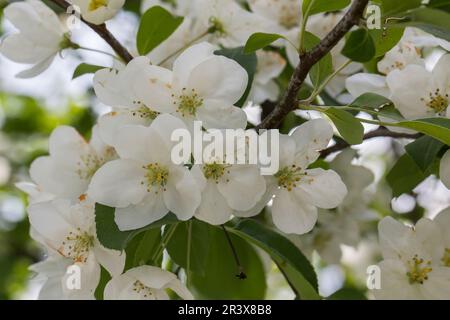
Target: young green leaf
{"points": [[360, 46], [440, 4], [157, 24], [438, 128], [385, 40], [219, 279], [85, 68], [404, 176], [370, 101], [287, 256], [393, 7], [109, 234], [260, 40], [424, 151], [348, 126], [324, 68]]}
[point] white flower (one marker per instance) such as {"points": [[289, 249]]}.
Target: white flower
{"points": [[270, 65], [415, 260], [361, 83], [286, 13], [67, 171], [444, 169], [232, 24], [144, 184], [145, 283], [227, 189], [342, 225], [40, 36], [418, 93], [202, 86], [300, 190], [98, 11], [115, 88], [54, 272], [69, 231]]}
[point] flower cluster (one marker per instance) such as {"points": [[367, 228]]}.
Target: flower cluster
{"points": [[128, 165]]}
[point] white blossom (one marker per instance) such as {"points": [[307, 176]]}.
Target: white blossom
{"points": [[98, 11]]}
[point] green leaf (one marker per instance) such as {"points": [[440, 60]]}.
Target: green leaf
{"points": [[392, 7], [219, 280], [247, 61], [109, 234], [287, 256], [436, 22], [440, 4], [370, 101], [424, 151], [385, 40], [104, 279], [347, 294], [324, 68], [199, 243], [404, 176], [157, 24], [348, 126], [149, 242], [311, 7], [438, 128], [84, 68], [260, 40], [360, 46]]}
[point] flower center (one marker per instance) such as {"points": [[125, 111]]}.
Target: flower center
{"points": [[76, 245], [446, 258], [214, 171], [437, 101], [288, 177], [418, 270], [156, 176], [217, 27], [188, 102], [144, 112], [95, 4], [142, 289], [88, 165]]}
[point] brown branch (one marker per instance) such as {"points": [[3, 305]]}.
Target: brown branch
{"points": [[308, 60], [103, 32], [380, 132]]}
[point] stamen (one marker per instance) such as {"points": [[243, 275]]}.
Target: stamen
{"points": [[418, 270], [446, 258], [95, 4], [288, 177], [215, 171], [188, 102], [156, 177], [437, 101], [142, 289], [77, 245]]}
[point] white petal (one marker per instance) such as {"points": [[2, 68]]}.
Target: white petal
{"points": [[292, 216], [219, 78], [394, 238], [322, 188], [37, 69], [118, 183], [182, 196], [112, 260], [244, 188], [213, 209], [361, 83], [151, 209], [216, 115], [188, 60]]}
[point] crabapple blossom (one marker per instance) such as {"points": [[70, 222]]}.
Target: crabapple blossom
{"points": [[301, 190], [72, 162], [415, 259], [40, 38], [202, 86], [98, 11], [145, 283], [144, 185]]}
